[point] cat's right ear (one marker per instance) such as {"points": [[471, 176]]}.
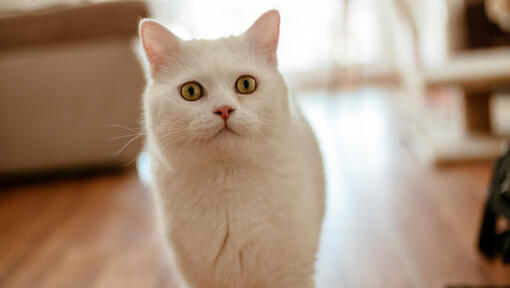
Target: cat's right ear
{"points": [[161, 46]]}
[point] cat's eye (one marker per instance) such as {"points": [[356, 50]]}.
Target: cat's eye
{"points": [[192, 91], [246, 84]]}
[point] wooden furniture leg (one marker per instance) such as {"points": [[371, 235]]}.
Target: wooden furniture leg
{"points": [[476, 142], [477, 113]]}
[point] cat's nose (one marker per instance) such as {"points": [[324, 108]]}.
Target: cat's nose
{"points": [[224, 111]]}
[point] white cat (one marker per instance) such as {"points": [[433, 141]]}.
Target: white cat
{"points": [[236, 166]]}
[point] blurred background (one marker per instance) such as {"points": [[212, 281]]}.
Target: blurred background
{"points": [[409, 100]]}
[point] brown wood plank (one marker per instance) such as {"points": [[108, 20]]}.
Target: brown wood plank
{"points": [[95, 232]]}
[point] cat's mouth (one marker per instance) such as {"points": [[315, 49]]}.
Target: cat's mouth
{"points": [[226, 131]]}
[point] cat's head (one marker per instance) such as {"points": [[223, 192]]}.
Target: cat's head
{"points": [[221, 94]]}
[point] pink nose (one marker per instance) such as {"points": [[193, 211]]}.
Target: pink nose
{"points": [[224, 111]]}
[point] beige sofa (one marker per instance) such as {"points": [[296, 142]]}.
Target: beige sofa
{"points": [[69, 81]]}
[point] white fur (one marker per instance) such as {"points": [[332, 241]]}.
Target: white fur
{"points": [[241, 209]]}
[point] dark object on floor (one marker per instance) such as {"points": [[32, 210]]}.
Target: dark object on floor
{"points": [[494, 243]]}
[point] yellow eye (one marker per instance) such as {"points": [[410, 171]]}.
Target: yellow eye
{"points": [[246, 84], [191, 91]]}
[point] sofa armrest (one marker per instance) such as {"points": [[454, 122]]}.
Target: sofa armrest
{"points": [[71, 23]]}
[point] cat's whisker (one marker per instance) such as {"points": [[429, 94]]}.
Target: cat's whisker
{"points": [[174, 138], [124, 136], [125, 146], [186, 133], [172, 126], [123, 127], [132, 160]]}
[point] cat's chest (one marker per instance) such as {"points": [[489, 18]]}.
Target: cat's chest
{"points": [[229, 217], [241, 193]]}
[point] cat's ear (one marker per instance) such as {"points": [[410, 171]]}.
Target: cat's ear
{"points": [[264, 33], [161, 46]]}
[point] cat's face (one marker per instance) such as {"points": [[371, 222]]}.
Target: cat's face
{"points": [[223, 93]]}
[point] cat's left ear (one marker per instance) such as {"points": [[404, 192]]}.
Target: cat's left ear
{"points": [[264, 34]]}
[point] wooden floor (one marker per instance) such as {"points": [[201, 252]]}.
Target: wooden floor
{"points": [[391, 222]]}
